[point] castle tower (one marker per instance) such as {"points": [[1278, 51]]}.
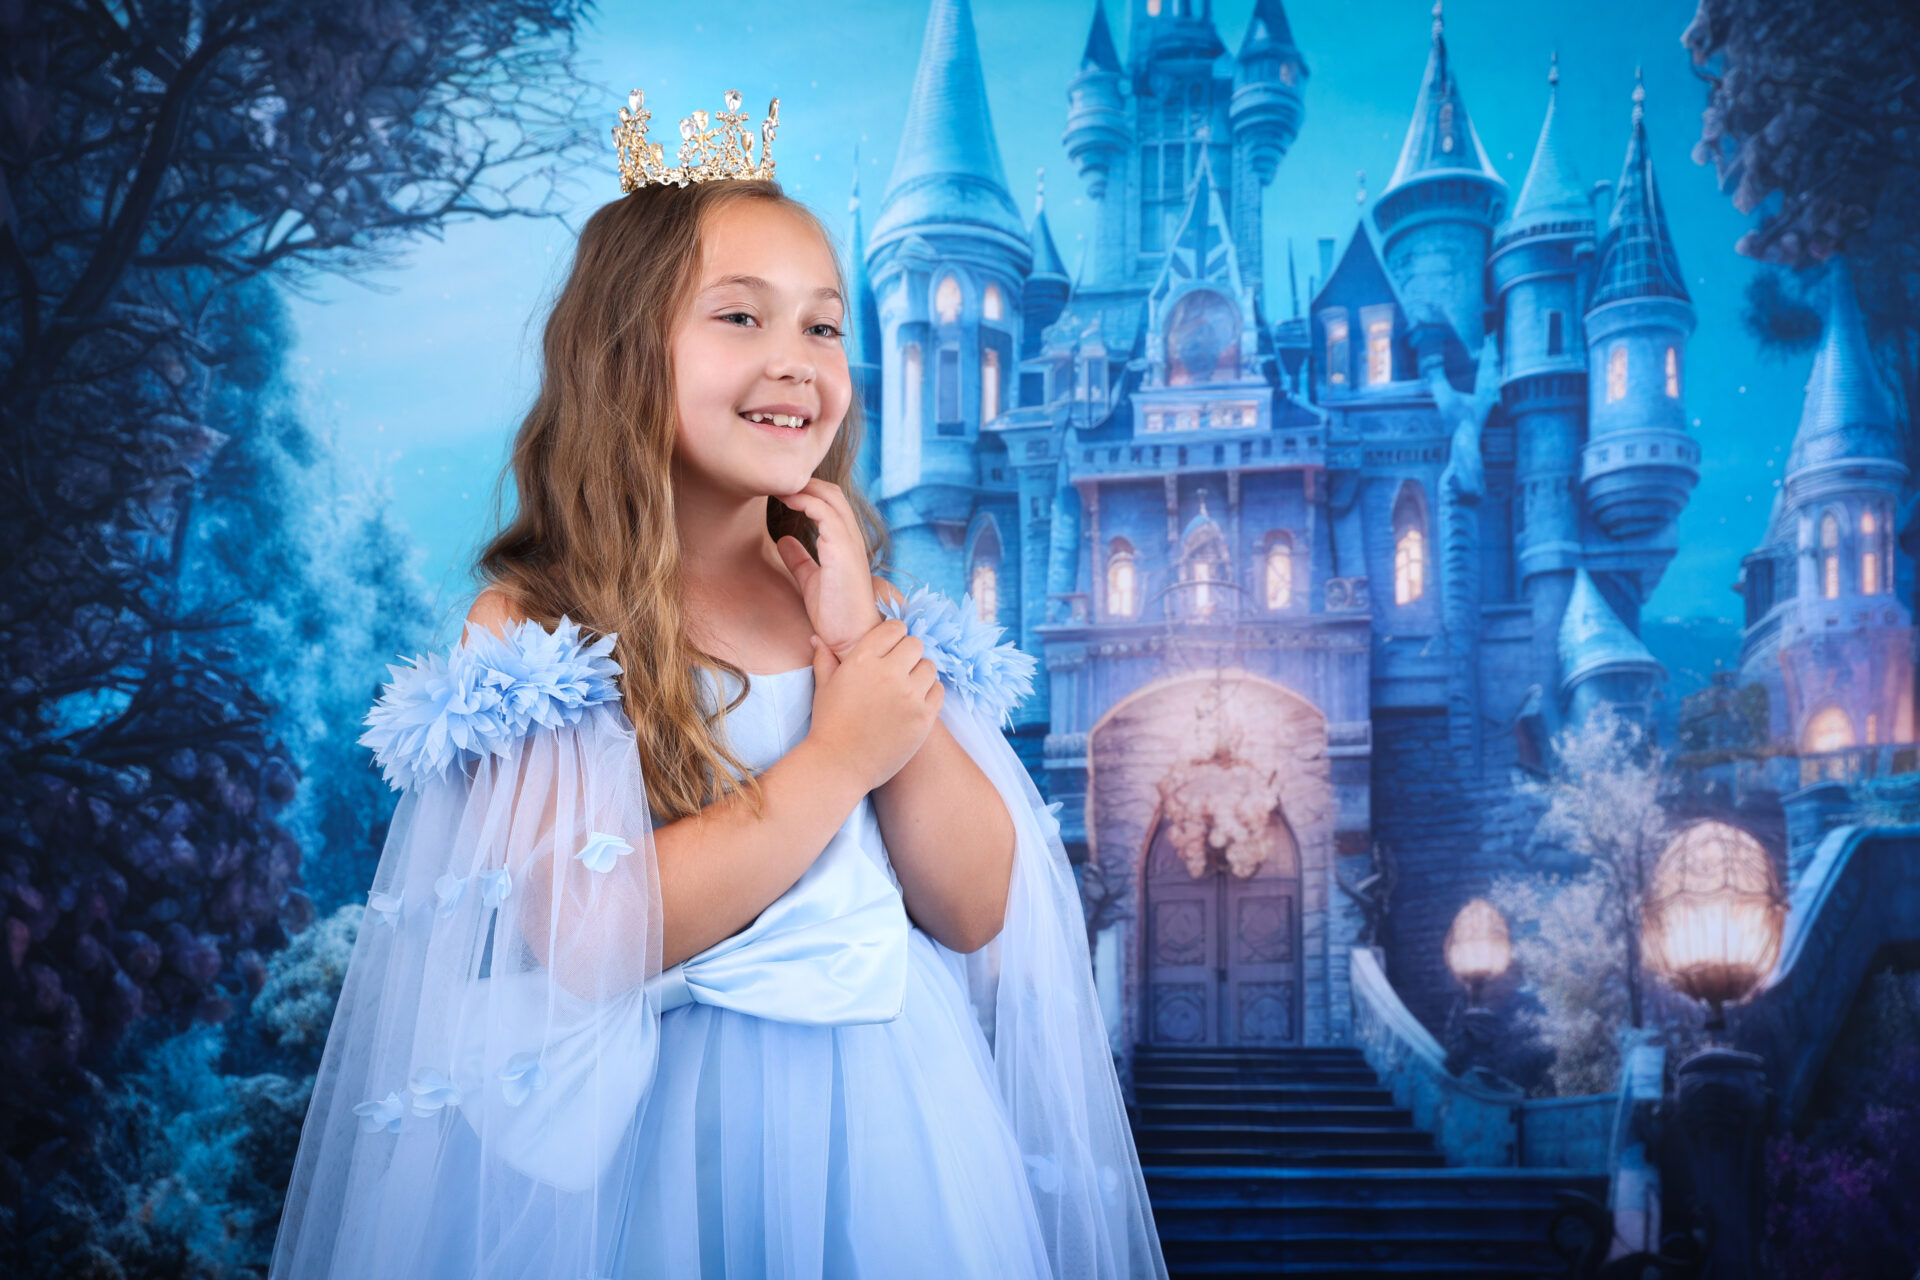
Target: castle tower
{"points": [[1825, 596], [1639, 464], [863, 339], [1047, 287], [1099, 138], [1265, 115], [948, 260], [1601, 660], [1541, 257], [1437, 212]]}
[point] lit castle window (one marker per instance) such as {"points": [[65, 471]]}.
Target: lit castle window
{"points": [[1869, 556], [1122, 580], [946, 300], [1617, 373], [989, 385], [1829, 557], [986, 592], [1379, 352], [1409, 548], [1673, 372], [1828, 731], [1279, 575], [990, 304], [1336, 326]]}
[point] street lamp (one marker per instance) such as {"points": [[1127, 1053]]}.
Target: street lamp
{"points": [[1478, 950], [1478, 947], [1714, 916], [1712, 926]]}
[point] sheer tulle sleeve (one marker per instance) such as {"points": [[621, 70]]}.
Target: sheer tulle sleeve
{"points": [[497, 1030], [1032, 986]]}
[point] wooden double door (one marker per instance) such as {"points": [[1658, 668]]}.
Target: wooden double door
{"points": [[1222, 962]]}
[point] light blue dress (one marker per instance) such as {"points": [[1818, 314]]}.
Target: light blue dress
{"points": [[824, 1104]]}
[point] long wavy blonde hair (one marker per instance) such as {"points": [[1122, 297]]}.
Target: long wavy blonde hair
{"points": [[594, 536]]}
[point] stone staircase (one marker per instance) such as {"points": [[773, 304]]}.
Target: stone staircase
{"points": [[1295, 1162]]}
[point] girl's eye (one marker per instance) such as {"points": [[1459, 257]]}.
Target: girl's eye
{"points": [[731, 314], [832, 331]]}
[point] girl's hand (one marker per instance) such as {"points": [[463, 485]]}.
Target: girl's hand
{"points": [[838, 591]]}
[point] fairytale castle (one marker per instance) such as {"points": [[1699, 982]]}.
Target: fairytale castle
{"points": [[1323, 583]]}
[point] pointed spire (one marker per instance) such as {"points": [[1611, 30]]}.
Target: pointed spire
{"points": [[1847, 413], [1100, 55], [948, 168], [1441, 137], [1046, 256], [1267, 27], [1552, 192], [1592, 638], [1293, 280], [1636, 254]]}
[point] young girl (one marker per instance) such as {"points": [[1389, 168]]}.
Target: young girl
{"points": [[718, 932]]}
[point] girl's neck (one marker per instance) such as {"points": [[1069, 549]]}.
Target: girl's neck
{"points": [[723, 538]]}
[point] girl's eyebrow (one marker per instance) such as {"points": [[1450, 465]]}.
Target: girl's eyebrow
{"points": [[756, 282]]}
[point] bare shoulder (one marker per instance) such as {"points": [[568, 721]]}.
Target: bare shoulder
{"points": [[495, 610], [884, 590]]}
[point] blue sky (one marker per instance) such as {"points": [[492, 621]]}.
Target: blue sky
{"points": [[422, 374]]}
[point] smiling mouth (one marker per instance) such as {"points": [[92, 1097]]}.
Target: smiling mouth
{"points": [[786, 421]]}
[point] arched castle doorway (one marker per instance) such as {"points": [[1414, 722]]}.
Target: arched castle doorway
{"points": [[1222, 962]]}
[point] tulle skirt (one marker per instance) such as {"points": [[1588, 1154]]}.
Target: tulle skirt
{"points": [[877, 1150]]}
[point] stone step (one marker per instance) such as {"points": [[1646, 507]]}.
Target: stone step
{"points": [[1281, 1113], [1328, 1073], [1323, 1157], [1238, 1053], [1153, 1094], [1359, 1269], [1283, 1188], [1525, 1242], [1179, 1219], [1283, 1140]]}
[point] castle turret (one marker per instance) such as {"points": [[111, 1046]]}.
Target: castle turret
{"points": [[863, 338], [1639, 464], [949, 260], [1046, 291], [1438, 210], [1601, 660], [1541, 256], [1845, 481], [1265, 116]]}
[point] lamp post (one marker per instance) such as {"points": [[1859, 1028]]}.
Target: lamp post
{"points": [[1478, 950], [1714, 918]]}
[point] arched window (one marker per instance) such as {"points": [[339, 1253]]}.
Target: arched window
{"points": [[1122, 580], [910, 391], [1409, 546], [946, 300], [1830, 556], [1379, 348], [1673, 372], [1335, 323], [986, 592], [989, 385], [1279, 573], [1869, 555], [1617, 373], [990, 304], [1828, 731]]}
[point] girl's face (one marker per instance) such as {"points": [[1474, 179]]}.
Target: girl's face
{"points": [[761, 336]]}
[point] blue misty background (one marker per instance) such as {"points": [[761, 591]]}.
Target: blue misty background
{"points": [[423, 373]]}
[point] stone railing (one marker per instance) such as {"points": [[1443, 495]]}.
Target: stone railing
{"points": [[1858, 895], [1472, 1122]]}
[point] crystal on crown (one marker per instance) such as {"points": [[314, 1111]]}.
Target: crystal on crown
{"points": [[711, 147]]}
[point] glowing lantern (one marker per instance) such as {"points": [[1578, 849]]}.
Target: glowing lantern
{"points": [[1714, 915], [1478, 946]]}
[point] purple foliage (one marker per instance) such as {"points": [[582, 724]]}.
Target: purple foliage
{"points": [[1845, 1199]]}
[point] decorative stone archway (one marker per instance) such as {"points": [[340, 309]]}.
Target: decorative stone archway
{"points": [[1150, 734]]}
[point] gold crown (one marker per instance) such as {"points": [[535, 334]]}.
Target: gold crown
{"points": [[706, 153]]}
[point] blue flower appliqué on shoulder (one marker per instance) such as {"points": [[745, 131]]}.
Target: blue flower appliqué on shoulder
{"points": [[484, 695], [989, 676]]}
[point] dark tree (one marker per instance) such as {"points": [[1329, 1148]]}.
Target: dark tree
{"points": [[154, 155], [1813, 125]]}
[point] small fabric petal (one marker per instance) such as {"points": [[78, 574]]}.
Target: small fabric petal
{"points": [[375, 1115], [450, 888], [432, 1091], [385, 905], [496, 886], [523, 1074], [601, 849]]}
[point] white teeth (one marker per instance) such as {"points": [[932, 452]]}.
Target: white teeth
{"points": [[777, 419]]}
